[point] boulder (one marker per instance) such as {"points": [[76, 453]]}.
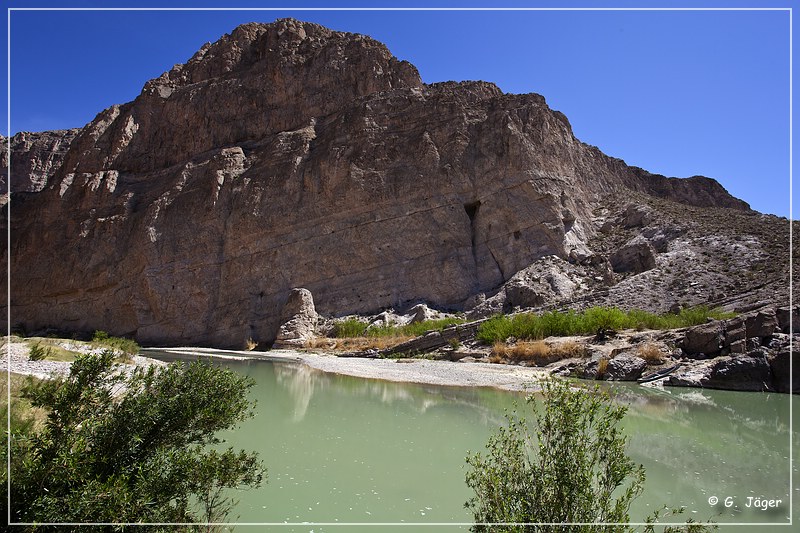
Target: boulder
{"points": [[421, 313], [749, 372], [692, 375], [548, 279], [761, 324], [298, 320], [636, 216], [637, 255], [590, 370], [784, 315], [487, 307], [781, 371], [704, 341], [625, 367], [779, 357], [735, 335]]}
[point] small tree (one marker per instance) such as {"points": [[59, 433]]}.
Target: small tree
{"points": [[576, 471], [570, 474], [132, 447]]}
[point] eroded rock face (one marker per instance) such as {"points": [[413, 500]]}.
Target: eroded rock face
{"points": [[289, 155], [36, 157], [788, 319], [635, 256], [299, 320]]}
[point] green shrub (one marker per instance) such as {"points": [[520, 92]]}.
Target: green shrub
{"points": [[419, 328], [699, 315], [349, 328], [356, 328], [128, 347], [530, 326], [149, 455], [99, 336], [604, 318], [573, 470], [555, 323], [577, 471], [37, 352], [497, 328]]}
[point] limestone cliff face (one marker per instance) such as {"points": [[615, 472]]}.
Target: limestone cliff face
{"points": [[289, 155], [37, 156]]}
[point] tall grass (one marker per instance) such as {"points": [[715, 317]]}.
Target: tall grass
{"points": [[355, 328], [128, 347], [537, 352], [555, 323]]}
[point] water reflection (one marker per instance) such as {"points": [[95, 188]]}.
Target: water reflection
{"points": [[302, 383], [696, 444], [346, 449]]}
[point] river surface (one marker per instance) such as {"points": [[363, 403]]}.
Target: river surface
{"points": [[340, 449]]}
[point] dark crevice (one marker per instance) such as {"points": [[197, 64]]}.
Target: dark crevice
{"points": [[499, 268], [472, 212]]}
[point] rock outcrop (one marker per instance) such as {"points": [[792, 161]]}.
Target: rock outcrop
{"points": [[625, 367], [36, 158], [289, 155], [298, 320]]}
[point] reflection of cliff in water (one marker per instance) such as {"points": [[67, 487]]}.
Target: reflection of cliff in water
{"points": [[736, 429], [302, 382]]}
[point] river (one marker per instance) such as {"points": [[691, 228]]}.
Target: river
{"points": [[341, 449]]}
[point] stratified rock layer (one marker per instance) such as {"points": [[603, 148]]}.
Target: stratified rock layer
{"points": [[289, 155], [37, 156]]}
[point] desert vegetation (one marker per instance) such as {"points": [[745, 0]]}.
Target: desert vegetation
{"points": [[530, 326], [100, 445], [67, 350], [651, 353], [128, 347], [537, 352], [356, 328], [567, 468], [354, 334]]}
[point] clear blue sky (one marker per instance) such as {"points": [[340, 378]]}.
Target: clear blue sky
{"points": [[676, 92]]}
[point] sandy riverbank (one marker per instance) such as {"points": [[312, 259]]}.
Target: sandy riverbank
{"points": [[447, 373], [15, 359]]}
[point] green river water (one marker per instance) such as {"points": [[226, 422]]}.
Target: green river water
{"points": [[340, 449]]}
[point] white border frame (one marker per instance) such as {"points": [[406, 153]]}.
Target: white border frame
{"points": [[8, 265]]}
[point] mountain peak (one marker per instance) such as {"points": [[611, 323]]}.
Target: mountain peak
{"points": [[282, 43]]}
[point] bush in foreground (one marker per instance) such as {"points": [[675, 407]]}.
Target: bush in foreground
{"points": [[119, 447], [575, 471]]}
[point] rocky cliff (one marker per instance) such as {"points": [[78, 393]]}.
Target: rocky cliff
{"points": [[288, 155], [37, 156]]}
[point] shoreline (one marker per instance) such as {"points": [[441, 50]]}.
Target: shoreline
{"points": [[14, 359], [423, 371]]}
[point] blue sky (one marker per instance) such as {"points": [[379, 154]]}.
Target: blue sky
{"points": [[675, 92]]}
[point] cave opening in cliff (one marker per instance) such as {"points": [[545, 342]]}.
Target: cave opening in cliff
{"points": [[472, 210]]}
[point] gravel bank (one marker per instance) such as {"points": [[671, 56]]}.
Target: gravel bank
{"points": [[447, 373], [15, 359]]}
